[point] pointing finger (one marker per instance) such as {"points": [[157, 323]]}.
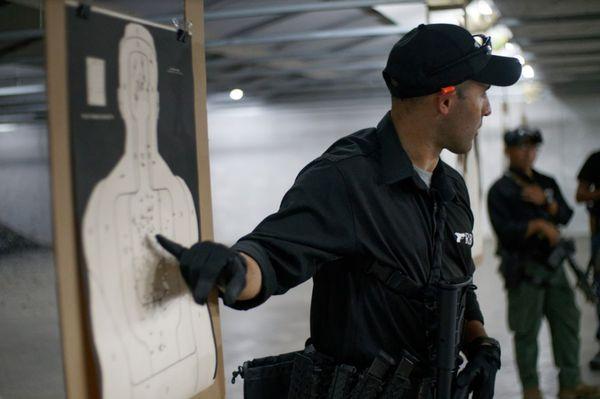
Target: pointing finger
{"points": [[172, 247]]}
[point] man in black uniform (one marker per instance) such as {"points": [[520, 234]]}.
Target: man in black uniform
{"points": [[380, 222], [588, 192], [526, 208]]}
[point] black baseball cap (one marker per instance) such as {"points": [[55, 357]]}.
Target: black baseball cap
{"points": [[522, 135], [434, 56]]}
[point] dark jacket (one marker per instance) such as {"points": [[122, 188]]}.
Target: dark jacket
{"points": [[362, 202], [510, 214]]}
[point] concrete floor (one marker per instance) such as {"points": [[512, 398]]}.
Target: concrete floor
{"points": [[30, 355], [281, 325], [30, 349]]}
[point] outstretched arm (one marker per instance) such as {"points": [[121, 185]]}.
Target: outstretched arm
{"points": [[253, 279], [313, 226]]}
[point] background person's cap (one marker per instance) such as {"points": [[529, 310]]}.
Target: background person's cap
{"points": [[434, 56], [522, 135]]}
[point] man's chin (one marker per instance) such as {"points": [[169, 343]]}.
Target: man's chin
{"points": [[462, 149]]}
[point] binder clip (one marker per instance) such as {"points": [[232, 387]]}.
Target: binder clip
{"points": [[183, 29], [83, 11]]}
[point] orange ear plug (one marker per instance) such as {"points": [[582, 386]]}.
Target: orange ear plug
{"points": [[448, 89]]}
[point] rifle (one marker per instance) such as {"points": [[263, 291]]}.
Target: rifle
{"points": [[451, 307], [593, 268], [565, 250]]}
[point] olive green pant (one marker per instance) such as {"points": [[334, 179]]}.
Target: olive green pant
{"points": [[527, 305]]}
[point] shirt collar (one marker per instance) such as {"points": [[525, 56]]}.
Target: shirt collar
{"points": [[442, 181], [396, 165]]}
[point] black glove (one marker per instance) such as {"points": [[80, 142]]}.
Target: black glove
{"points": [[479, 375], [207, 263]]}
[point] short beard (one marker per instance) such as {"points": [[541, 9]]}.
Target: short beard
{"points": [[459, 148]]}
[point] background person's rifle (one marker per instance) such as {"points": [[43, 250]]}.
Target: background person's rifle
{"points": [[565, 250], [593, 269]]}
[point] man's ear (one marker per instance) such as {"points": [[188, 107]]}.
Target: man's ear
{"points": [[444, 102]]}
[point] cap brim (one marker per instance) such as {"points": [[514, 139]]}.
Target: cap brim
{"points": [[522, 140], [500, 71]]}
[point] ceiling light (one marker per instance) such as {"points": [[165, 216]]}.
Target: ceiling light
{"points": [[7, 127], [484, 8], [478, 10], [25, 89], [404, 15], [473, 11], [528, 72], [451, 16], [236, 94]]}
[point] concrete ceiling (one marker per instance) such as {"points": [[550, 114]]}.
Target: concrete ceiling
{"points": [[561, 40], [296, 49]]}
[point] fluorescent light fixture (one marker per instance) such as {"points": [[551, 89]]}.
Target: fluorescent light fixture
{"points": [[236, 94], [481, 15], [528, 72], [7, 127], [406, 15], [484, 8], [452, 16], [25, 89], [479, 9]]}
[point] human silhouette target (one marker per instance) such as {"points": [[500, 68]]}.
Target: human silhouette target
{"points": [[150, 339]]}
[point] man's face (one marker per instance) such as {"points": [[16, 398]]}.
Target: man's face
{"points": [[470, 105], [522, 156]]}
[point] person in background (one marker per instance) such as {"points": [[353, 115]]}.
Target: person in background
{"points": [[526, 209], [588, 192]]}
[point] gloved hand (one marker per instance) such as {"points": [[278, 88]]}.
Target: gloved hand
{"points": [[479, 375], [207, 264]]}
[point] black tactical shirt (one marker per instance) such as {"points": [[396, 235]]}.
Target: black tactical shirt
{"points": [[510, 214], [590, 173], [362, 202]]}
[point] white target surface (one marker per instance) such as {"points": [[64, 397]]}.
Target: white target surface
{"points": [[151, 339]]}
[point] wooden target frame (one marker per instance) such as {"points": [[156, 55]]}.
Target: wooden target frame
{"points": [[80, 374]]}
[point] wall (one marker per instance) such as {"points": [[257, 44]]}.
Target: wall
{"points": [[25, 181], [257, 150], [256, 153]]}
